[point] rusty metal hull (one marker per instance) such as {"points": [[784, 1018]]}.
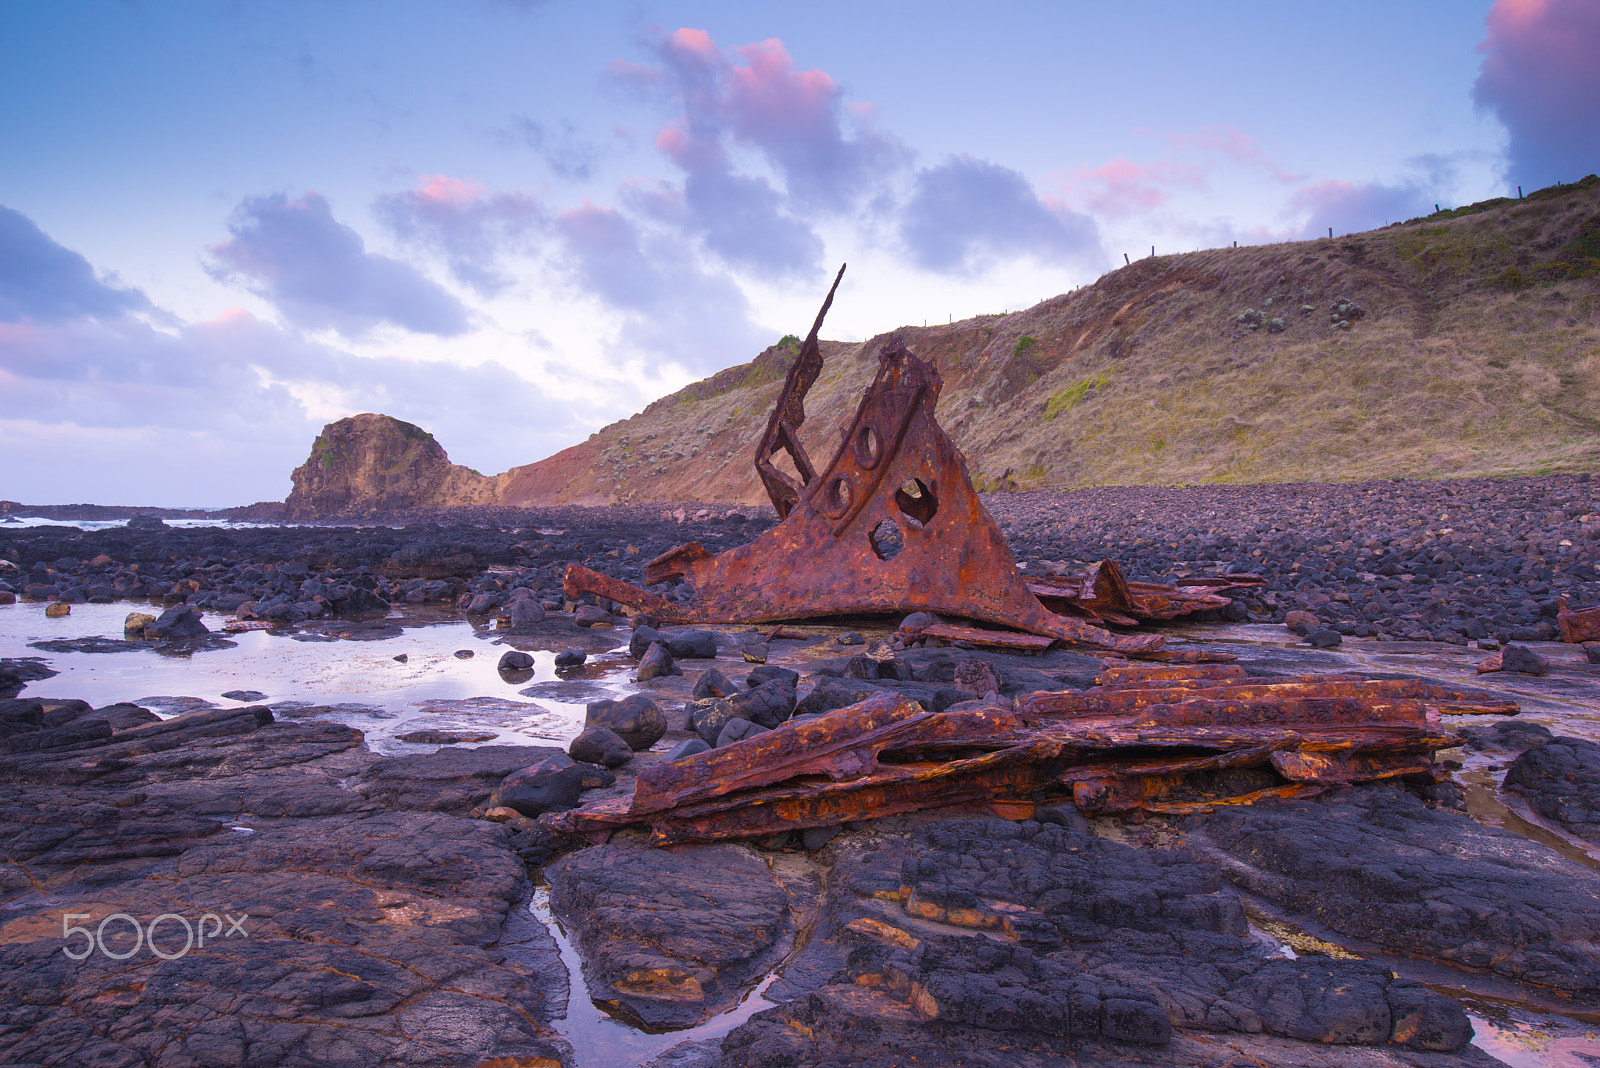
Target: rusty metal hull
{"points": [[891, 525], [1158, 738]]}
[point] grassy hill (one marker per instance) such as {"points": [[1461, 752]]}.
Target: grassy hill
{"points": [[1463, 343]]}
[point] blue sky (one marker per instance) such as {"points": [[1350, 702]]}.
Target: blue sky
{"points": [[223, 225]]}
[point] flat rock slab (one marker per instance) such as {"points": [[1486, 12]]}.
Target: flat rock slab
{"points": [[981, 942], [1377, 864], [450, 780], [1561, 780], [360, 941], [334, 932], [671, 936]]}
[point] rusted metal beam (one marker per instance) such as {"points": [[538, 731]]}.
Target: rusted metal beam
{"points": [[1154, 738]]}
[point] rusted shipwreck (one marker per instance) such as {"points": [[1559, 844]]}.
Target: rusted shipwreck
{"points": [[1160, 738], [891, 525]]}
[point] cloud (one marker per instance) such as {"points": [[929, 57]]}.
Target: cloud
{"points": [[221, 411], [107, 407], [1350, 207], [1123, 187], [674, 311], [41, 281], [563, 150], [827, 156], [1230, 142], [469, 227], [1541, 78], [318, 273], [968, 212]]}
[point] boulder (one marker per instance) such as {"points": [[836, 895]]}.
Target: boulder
{"points": [[641, 639], [636, 719], [1521, 658], [597, 745], [713, 683], [737, 730], [657, 661], [685, 749], [554, 784], [768, 704], [693, 645], [515, 660], [590, 616], [523, 614], [176, 623]]}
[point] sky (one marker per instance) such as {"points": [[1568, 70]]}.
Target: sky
{"points": [[511, 222]]}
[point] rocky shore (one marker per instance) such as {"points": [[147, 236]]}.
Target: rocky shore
{"points": [[315, 903], [1450, 561]]}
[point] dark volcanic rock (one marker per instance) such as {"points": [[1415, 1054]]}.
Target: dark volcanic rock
{"points": [[349, 938], [450, 780], [597, 745], [656, 662], [674, 935], [333, 932], [768, 704], [829, 694], [176, 623], [554, 784], [1081, 951], [1375, 863], [636, 719], [1561, 780], [737, 730], [685, 749], [692, 644]]}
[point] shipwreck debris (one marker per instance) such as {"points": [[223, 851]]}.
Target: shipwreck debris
{"points": [[1148, 737], [890, 525], [1578, 626]]}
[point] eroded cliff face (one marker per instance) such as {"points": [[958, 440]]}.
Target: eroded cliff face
{"points": [[376, 463]]}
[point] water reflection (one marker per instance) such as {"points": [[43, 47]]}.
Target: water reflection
{"points": [[411, 680]]}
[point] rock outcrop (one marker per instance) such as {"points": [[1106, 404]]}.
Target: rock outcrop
{"points": [[376, 463]]}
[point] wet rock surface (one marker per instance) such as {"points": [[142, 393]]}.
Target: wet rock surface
{"points": [[1377, 864], [1561, 780], [948, 942], [335, 930], [670, 935]]}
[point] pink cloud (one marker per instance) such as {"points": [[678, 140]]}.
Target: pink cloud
{"points": [[470, 226], [755, 95], [446, 190], [1540, 76], [1232, 143], [1123, 187]]}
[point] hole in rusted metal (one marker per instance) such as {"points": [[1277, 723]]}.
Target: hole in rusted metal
{"points": [[868, 447], [837, 497], [916, 500], [886, 539]]}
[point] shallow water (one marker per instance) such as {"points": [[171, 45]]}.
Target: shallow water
{"points": [[599, 1039], [354, 682]]}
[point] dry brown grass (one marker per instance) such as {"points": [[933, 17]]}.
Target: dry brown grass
{"points": [[1145, 378]]}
